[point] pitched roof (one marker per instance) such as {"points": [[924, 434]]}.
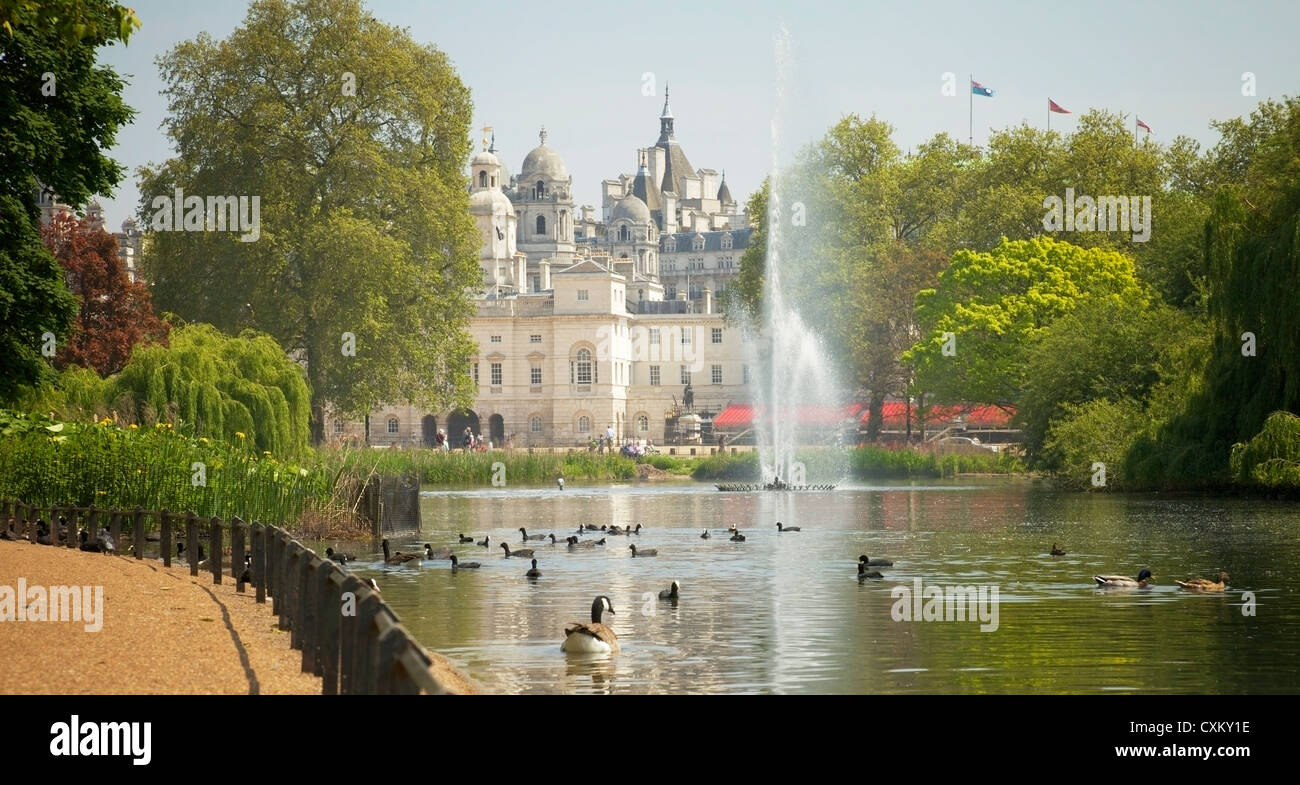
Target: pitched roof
{"points": [[712, 240]]}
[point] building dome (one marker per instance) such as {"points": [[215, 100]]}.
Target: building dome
{"points": [[490, 201], [544, 161], [485, 158], [632, 209]]}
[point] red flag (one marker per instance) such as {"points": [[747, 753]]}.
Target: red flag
{"points": [[1055, 107], [1143, 125]]}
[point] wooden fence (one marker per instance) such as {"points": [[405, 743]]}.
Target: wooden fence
{"points": [[347, 635]]}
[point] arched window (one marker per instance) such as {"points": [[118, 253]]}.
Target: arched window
{"points": [[541, 224], [584, 424], [482, 179], [643, 423], [535, 424], [541, 189], [392, 426], [726, 241], [623, 234], [584, 366], [698, 243]]}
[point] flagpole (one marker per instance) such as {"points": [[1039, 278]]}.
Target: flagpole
{"points": [[1049, 114], [970, 97]]}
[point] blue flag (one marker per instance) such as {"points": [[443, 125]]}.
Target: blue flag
{"points": [[979, 89]]}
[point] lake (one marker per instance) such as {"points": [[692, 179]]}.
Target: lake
{"points": [[785, 613]]}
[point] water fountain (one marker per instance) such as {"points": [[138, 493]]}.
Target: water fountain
{"points": [[795, 374]]}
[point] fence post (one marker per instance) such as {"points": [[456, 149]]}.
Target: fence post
{"points": [[237, 552], [214, 541], [115, 529], [165, 537], [310, 602], [71, 541], [331, 610], [259, 560], [350, 635], [367, 645], [92, 523], [137, 531], [192, 542]]}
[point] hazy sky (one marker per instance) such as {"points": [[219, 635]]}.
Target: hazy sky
{"points": [[578, 69]]}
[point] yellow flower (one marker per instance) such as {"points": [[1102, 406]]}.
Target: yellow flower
{"points": [[238, 434], [102, 493], [133, 426], [267, 453], [203, 439], [105, 421]]}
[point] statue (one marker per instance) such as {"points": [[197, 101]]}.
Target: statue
{"points": [[688, 398]]}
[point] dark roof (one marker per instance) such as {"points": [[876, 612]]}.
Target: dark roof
{"points": [[675, 159], [724, 193], [712, 240], [644, 188]]}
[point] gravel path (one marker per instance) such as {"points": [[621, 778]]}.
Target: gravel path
{"points": [[163, 632]]}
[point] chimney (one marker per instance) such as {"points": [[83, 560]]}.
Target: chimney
{"points": [[708, 300]]}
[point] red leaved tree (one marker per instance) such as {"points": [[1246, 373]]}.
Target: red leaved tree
{"points": [[116, 313]]}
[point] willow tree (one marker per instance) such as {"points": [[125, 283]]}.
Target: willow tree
{"points": [[354, 138]]}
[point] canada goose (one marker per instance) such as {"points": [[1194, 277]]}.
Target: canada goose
{"points": [[737, 536], [1205, 584], [574, 543], [1056, 551], [43, 533], [103, 542], [781, 528], [870, 562], [456, 565], [526, 553], [483, 544], [399, 557], [671, 592], [619, 530], [528, 536], [341, 558], [705, 535], [463, 538], [1123, 581], [431, 554], [864, 573], [594, 637], [555, 541], [534, 572], [247, 575], [637, 530], [647, 552], [373, 584]]}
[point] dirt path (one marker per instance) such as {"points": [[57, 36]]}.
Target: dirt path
{"points": [[163, 632]]}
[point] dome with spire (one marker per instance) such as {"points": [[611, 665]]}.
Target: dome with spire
{"points": [[544, 161], [631, 208], [724, 193], [485, 158]]}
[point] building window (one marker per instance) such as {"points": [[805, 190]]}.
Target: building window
{"points": [[474, 368], [654, 376], [726, 241], [745, 370], [584, 367], [482, 179], [535, 376], [643, 423], [392, 426], [584, 424], [496, 374], [717, 335], [495, 339], [686, 336], [623, 234], [540, 191], [654, 336], [535, 424], [698, 243], [541, 224], [717, 374], [686, 375], [534, 339], [338, 426], [583, 295]]}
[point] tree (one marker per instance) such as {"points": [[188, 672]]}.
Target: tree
{"points": [[61, 112], [116, 313], [989, 307], [354, 137]]}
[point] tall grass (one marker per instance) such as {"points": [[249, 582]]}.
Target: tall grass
{"points": [[433, 467], [864, 463]]}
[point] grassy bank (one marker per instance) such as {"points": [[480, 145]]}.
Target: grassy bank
{"points": [[863, 463], [477, 468]]}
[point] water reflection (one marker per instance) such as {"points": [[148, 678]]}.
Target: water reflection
{"points": [[786, 613]]}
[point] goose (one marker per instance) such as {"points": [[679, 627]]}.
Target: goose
{"points": [[103, 542], [463, 538], [534, 572], [399, 557], [671, 592], [781, 528], [870, 562], [637, 530], [592, 638], [559, 483], [456, 565], [483, 544], [1056, 551], [43, 533], [1123, 581], [7, 534], [705, 535], [526, 553], [619, 530], [737, 536], [373, 584], [431, 554], [341, 558], [247, 575], [864, 573], [528, 536], [574, 543], [647, 552], [555, 541], [1205, 584]]}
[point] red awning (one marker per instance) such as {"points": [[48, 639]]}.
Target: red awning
{"points": [[979, 416], [742, 415]]}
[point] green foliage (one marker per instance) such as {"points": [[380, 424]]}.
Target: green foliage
{"points": [[868, 462], [365, 226], [433, 467], [1272, 458], [998, 303], [1102, 430], [45, 462]]}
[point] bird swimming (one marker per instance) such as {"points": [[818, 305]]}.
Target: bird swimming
{"points": [[864, 573], [524, 553], [1205, 584], [671, 592], [705, 535], [1123, 581], [594, 637], [399, 557], [534, 572], [1057, 551], [483, 544], [341, 558], [463, 538], [643, 553], [528, 536], [781, 528], [456, 565], [875, 562]]}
